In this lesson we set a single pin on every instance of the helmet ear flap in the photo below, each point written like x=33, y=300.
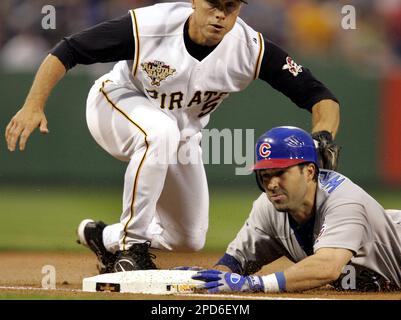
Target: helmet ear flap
x=259, y=180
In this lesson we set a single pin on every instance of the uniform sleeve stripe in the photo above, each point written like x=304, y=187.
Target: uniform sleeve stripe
x=260, y=56
x=137, y=46
x=134, y=191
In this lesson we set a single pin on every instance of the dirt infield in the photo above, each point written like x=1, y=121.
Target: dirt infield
x=21, y=276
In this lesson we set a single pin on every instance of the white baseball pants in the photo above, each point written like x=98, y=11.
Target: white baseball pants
x=164, y=202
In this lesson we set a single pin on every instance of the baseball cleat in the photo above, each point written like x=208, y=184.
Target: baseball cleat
x=137, y=257
x=90, y=234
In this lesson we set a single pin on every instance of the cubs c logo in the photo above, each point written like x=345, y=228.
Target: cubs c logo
x=264, y=150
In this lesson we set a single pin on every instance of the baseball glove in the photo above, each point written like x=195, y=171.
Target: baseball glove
x=328, y=151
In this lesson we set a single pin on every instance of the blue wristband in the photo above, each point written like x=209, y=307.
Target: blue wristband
x=280, y=280
x=230, y=262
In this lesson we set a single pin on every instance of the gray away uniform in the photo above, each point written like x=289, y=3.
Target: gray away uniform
x=346, y=217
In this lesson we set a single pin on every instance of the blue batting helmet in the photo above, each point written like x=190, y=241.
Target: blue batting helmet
x=283, y=147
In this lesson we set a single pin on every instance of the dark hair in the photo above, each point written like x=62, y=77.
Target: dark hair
x=301, y=167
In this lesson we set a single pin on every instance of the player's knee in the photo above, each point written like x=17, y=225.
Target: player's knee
x=163, y=144
x=189, y=244
x=166, y=134
x=198, y=245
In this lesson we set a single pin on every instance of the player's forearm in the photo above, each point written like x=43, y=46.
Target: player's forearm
x=317, y=270
x=310, y=273
x=326, y=116
x=48, y=75
x=301, y=276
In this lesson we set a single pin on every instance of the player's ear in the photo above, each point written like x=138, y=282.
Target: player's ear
x=311, y=171
x=193, y=4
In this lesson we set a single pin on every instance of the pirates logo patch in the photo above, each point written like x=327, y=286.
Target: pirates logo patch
x=292, y=67
x=157, y=71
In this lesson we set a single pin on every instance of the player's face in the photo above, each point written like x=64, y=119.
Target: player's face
x=212, y=20
x=287, y=188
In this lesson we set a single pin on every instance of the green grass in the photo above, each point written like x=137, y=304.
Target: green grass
x=46, y=218
x=388, y=199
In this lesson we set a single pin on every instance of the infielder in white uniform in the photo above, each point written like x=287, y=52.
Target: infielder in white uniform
x=319, y=219
x=176, y=63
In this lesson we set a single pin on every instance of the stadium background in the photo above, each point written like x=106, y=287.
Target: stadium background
x=64, y=177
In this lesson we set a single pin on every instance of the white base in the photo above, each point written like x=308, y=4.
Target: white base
x=143, y=281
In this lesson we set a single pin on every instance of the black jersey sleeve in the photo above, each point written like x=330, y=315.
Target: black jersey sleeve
x=301, y=87
x=108, y=41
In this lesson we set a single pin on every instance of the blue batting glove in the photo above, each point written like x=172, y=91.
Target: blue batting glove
x=219, y=281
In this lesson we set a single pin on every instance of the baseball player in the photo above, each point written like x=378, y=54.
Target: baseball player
x=319, y=219
x=176, y=62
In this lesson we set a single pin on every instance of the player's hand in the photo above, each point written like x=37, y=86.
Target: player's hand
x=218, y=281
x=328, y=151
x=22, y=124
